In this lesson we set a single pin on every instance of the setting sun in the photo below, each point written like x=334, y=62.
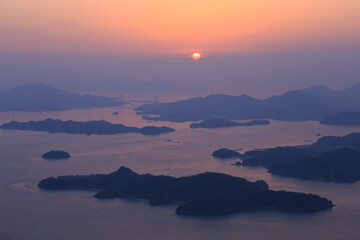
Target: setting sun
x=196, y=56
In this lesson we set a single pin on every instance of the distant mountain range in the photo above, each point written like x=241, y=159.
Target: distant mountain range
x=313, y=103
x=40, y=97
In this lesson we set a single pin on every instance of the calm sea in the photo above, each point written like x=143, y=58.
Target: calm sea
x=31, y=214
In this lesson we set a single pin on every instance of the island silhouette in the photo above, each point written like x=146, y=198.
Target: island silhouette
x=91, y=127
x=56, y=155
x=202, y=194
x=222, y=123
x=334, y=159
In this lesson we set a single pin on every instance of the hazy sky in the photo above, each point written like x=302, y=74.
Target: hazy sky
x=246, y=44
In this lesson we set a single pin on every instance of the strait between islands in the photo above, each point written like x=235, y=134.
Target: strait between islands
x=203, y=194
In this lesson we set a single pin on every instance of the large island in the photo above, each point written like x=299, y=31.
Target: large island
x=88, y=128
x=203, y=194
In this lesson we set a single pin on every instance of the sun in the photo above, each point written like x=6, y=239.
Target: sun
x=196, y=56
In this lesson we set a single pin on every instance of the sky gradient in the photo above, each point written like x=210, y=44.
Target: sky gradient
x=35, y=33
x=160, y=26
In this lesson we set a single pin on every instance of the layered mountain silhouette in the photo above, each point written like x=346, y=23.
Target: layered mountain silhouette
x=313, y=103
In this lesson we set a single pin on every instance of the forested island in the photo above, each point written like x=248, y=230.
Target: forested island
x=88, y=128
x=203, y=194
x=56, y=155
x=335, y=159
x=222, y=123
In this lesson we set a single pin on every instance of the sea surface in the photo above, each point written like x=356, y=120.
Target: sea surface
x=28, y=213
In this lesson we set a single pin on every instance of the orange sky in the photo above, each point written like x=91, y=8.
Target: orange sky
x=163, y=26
